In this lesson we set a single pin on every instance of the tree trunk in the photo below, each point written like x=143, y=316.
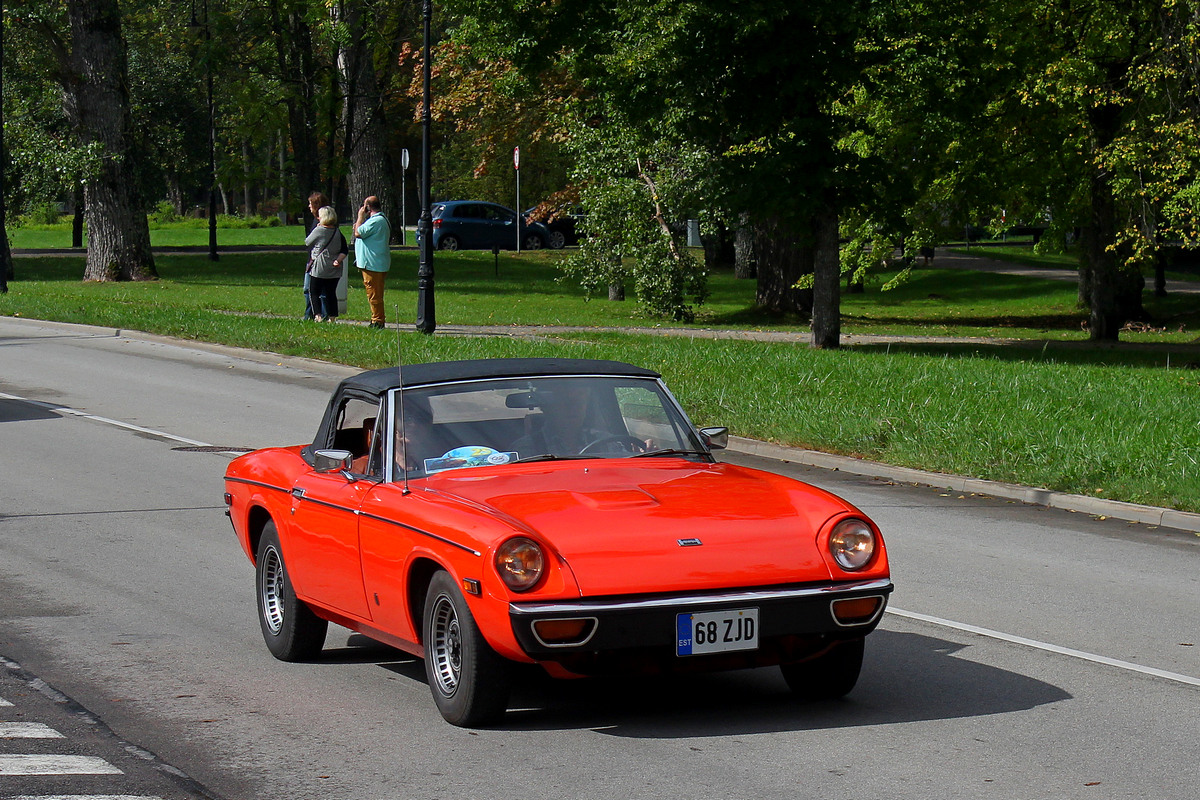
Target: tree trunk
x=247, y=184
x=6, y=261
x=370, y=166
x=616, y=291
x=745, y=256
x=827, y=283
x=77, y=220
x=294, y=52
x=782, y=261
x=1113, y=292
x=718, y=249
x=98, y=104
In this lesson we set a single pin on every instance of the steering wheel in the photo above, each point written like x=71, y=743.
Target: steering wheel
x=629, y=443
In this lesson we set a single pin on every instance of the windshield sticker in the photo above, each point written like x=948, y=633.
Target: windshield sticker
x=469, y=456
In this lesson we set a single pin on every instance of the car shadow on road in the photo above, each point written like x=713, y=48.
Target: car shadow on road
x=906, y=677
x=21, y=411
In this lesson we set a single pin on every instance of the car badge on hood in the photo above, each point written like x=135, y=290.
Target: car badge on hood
x=689, y=542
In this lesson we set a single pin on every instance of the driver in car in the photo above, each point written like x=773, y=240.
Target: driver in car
x=564, y=426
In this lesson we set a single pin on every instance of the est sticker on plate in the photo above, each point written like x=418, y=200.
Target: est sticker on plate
x=716, y=631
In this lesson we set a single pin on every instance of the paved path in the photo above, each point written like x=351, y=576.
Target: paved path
x=980, y=262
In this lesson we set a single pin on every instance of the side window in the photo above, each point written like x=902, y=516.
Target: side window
x=356, y=432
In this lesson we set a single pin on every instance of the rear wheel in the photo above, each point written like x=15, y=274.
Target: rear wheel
x=448, y=243
x=828, y=676
x=469, y=681
x=289, y=627
x=558, y=240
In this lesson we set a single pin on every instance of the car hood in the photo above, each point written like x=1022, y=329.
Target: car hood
x=623, y=526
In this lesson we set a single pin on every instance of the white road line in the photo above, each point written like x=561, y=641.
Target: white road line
x=1050, y=648
x=84, y=797
x=28, y=730
x=105, y=420
x=55, y=765
x=4, y=703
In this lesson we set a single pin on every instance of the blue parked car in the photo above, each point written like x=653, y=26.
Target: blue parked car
x=476, y=225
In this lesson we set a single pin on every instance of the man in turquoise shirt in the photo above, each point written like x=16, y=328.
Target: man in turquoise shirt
x=372, y=234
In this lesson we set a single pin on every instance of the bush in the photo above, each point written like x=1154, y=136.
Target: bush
x=45, y=214
x=163, y=213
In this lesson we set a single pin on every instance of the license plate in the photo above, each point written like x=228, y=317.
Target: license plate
x=716, y=631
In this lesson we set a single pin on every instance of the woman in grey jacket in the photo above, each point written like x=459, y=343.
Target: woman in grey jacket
x=329, y=250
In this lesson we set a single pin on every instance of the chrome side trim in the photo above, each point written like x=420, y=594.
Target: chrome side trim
x=260, y=484
x=683, y=601
x=434, y=536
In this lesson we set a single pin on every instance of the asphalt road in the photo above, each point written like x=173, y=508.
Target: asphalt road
x=1028, y=652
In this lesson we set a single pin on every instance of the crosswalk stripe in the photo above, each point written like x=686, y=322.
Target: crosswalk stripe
x=55, y=765
x=27, y=730
x=4, y=703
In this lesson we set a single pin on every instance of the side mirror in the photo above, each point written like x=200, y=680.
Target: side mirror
x=332, y=460
x=715, y=438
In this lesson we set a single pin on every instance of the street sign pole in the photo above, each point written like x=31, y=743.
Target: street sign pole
x=403, y=197
x=517, y=169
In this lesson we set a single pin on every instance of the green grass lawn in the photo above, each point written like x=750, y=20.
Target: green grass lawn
x=1049, y=410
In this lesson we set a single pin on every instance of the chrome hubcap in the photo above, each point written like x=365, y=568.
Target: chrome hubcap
x=272, y=590
x=446, y=647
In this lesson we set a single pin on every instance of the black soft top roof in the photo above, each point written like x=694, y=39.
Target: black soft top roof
x=378, y=381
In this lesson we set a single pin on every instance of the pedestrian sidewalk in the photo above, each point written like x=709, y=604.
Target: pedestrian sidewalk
x=979, y=261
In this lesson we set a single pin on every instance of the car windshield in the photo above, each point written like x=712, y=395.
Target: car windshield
x=499, y=422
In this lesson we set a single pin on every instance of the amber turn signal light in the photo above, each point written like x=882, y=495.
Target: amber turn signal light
x=855, y=610
x=564, y=631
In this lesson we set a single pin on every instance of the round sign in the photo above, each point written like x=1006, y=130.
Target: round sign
x=404, y=158
x=516, y=158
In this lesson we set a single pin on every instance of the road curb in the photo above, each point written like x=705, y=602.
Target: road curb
x=1096, y=506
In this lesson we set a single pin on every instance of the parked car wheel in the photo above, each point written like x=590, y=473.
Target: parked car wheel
x=469, y=681
x=532, y=242
x=290, y=628
x=448, y=243
x=828, y=676
x=558, y=240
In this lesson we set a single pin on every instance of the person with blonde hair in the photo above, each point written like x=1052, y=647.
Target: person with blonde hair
x=329, y=249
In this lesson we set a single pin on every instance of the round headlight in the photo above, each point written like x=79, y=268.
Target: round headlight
x=520, y=563
x=852, y=544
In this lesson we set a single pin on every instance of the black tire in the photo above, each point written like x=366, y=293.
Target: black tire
x=448, y=243
x=532, y=241
x=828, y=676
x=469, y=681
x=289, y=627
x=558, y=240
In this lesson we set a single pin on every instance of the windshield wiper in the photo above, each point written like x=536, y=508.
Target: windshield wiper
x=669, y=451
x=548, y=457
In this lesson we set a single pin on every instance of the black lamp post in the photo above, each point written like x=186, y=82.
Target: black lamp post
x=426, y=322
x=212, y=132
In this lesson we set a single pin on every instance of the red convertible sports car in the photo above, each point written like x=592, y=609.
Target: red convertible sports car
x=564, y=513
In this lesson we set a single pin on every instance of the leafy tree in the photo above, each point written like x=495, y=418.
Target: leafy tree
x=485, y=108
x=754, y=90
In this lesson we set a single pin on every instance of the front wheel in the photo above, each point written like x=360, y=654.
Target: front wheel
x=469, y=681
x=828, y=676
x=532, y=242
x=289, y=627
